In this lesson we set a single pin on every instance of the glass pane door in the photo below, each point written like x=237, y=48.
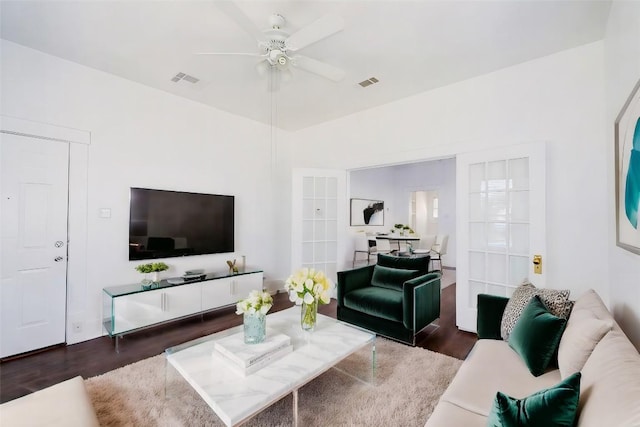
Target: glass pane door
x=498, y=226
x=318, y=220
x=319, y=223
x=501, y=222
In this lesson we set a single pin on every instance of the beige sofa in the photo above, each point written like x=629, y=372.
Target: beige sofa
x=65, y=404
x=609, y=388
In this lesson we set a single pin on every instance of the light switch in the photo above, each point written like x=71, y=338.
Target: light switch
x=105, y=213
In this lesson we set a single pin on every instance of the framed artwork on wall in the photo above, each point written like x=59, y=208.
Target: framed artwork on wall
x=627, y=169
x=367, y=212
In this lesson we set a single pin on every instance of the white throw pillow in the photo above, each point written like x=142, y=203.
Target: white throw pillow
x=578, y=341
x=556, y=301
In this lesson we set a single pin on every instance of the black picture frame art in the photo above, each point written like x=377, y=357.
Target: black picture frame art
x=367, y=212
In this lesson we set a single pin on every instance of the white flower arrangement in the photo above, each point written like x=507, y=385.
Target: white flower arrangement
x=308, y=285
x=257, y=301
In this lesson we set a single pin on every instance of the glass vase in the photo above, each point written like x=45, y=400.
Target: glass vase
x=255, y=327
x=309, y=316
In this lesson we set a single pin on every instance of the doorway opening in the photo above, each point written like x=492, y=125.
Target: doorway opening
x=423, y=212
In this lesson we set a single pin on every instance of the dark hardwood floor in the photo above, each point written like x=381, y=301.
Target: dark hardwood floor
x=23, y=375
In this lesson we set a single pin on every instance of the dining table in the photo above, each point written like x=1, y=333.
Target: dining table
x=396, y=237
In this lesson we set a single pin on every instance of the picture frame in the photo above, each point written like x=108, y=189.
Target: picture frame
x=627, y=170
x=367, y=212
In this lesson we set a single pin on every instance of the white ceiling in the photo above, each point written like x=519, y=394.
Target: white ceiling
x=410, y=46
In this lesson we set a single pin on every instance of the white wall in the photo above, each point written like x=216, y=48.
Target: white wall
x=622, y=72
x=557, y=99
x=146, y=138
x=394, y=185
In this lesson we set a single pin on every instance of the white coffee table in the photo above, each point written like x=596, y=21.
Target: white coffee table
x=235, y=398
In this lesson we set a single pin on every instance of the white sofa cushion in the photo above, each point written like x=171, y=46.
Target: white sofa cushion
x=590, y=305
x=447, y=415
x=610, y=389
x=577, y=343
x=493, y=366
x=588, y=324
x=65, y=404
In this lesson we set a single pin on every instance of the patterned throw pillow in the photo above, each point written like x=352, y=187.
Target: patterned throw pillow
x=556, y=301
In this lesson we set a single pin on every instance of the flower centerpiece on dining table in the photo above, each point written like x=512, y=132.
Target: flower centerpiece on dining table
x=255, y=308
x=309, y=287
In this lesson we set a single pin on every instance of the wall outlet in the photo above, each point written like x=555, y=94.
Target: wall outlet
x=77, y=327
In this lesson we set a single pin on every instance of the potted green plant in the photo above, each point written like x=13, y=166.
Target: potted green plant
x=152, y=268
x=407, y=229
x=402, y=229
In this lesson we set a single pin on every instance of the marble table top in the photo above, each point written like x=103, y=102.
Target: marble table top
x=235, y=398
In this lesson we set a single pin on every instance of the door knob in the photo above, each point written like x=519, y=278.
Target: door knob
x=58, y=259
x=59, y=244
x=537, y=264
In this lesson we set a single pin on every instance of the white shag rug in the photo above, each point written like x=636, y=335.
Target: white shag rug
x=409, y=382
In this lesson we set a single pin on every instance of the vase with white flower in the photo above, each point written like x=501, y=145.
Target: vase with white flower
x=255, y=308
x=309, y=287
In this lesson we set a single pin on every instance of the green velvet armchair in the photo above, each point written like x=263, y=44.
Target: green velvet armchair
x=395, y=298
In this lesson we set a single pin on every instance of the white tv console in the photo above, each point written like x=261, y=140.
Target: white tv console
x=129, y=308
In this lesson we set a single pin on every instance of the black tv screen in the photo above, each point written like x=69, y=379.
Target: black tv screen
x=165, y=224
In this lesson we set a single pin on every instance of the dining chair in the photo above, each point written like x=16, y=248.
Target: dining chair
x=362, y=246
x=439, y=249
x=425, y=244
x=383, y=246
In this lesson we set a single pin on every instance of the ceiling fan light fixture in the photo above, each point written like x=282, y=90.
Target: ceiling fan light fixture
x=286, y=75
x=262, y=68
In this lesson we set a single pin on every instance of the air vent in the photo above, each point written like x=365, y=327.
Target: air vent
x=368, y=82
x=185, y=77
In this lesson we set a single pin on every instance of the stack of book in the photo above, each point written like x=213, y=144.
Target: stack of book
x=248, y=358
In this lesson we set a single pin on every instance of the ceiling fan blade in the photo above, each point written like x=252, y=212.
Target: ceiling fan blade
x=318, y=30
x=320, y=68
x=232, y=10
x=228, y=53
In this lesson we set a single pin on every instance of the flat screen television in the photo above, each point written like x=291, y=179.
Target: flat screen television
x=164, y=224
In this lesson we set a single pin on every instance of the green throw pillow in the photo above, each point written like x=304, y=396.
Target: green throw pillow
x=536, y=335
x=392, y=278
x=555, y=406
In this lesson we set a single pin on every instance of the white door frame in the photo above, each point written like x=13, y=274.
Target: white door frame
x=79, y=141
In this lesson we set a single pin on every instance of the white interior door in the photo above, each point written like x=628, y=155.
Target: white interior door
x=318, y=217
x=33, y=234
x=500, y=224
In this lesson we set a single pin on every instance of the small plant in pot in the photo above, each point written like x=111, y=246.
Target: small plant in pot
x=151, y=268
x=407, y=229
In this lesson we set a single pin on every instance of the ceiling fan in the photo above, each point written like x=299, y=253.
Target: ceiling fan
x=278, y=48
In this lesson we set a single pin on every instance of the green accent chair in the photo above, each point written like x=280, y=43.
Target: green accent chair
x=395, y=298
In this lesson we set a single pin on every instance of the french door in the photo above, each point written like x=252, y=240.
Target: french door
x=500, y=224
x=318, y=220
x=33, y=239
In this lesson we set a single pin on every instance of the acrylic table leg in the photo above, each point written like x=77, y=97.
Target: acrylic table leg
x=374, y=363
x=295, y=408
